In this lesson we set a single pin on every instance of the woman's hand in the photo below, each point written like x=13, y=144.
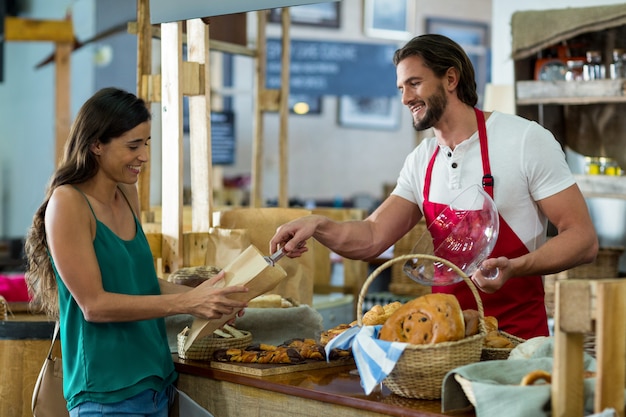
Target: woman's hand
x=210, y=301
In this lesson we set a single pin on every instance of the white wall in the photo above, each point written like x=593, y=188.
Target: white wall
x=27, y=115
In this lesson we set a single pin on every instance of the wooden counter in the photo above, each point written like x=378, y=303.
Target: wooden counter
x=24, y=343
x=334, y=391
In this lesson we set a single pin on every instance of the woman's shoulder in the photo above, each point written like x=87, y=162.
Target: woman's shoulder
x=67, y=193
x=68, y=201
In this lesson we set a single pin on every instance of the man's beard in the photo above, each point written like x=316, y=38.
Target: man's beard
x=435, y=106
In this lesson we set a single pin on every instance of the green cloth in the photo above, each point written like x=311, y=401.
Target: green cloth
x=496, y=388
x=110, y=362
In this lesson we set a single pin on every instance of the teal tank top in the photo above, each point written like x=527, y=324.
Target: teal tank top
x=111, y=362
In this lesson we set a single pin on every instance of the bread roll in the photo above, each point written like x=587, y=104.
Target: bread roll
x=491, y=324
x=534, y=376
x=431, y=318
x=472, y=319
x=379, y=314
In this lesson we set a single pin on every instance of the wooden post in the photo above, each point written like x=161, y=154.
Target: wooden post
x=62, y=60
x=572, y=319
x=172, y=161
x=580, y=304
x=144, y=68
x=200, y=127
x=283, y=134
x=610, y=346
x=256, y=194
x=61, y=32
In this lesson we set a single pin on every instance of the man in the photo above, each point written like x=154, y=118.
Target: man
x=516, y=161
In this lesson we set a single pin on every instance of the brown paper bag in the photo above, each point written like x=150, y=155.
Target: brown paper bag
x=249, y=269
x=224, y=245
x=261, y=224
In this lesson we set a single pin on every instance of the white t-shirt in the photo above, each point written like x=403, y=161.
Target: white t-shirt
x=527, y=163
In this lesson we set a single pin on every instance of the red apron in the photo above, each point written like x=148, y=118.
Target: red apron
x=519, y=305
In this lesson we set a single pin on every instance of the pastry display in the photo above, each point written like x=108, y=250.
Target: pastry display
x=291, y=351
x=259, y=354
x=431, y=318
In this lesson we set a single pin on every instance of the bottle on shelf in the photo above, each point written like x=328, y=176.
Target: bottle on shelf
x=618, y=67
x=593, y=69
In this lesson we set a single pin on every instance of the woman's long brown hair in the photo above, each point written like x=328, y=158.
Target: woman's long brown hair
x=108, y=114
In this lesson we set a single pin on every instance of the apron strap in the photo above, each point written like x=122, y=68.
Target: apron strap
x=484, y=152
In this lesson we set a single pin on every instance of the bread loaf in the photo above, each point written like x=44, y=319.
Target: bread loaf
x=194, y=275
x=431, y=318
x=472, y=319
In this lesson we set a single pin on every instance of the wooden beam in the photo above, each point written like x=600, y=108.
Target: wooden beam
x=193, y=81
x=201, y=166
x=62, y=58
x=172, y=160
x=19, y=29
x=214, y=44
x=268, y=100
x=283, y=131
x=256, y=192
x=144, y=68
x=150, y=87
x=610, y=346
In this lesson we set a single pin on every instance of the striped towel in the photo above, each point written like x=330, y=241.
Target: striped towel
x=375, y=359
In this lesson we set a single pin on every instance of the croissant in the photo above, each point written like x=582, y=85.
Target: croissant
x=279, y=355
x=307, y=348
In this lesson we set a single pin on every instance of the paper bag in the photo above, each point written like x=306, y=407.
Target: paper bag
x=225, y=245
x=249, y=269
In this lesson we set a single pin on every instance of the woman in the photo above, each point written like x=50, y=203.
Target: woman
x=90, y=266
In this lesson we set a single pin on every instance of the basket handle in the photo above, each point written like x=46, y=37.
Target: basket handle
x=387, y=264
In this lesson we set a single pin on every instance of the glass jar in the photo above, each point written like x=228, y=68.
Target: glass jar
x=592, y=165
x=574, y=70
x=612, y=168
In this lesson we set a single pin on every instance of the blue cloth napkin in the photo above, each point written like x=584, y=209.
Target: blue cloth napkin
x=374, y=358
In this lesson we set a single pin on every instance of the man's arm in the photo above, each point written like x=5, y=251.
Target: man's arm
x=576, y=242
x=362, y=239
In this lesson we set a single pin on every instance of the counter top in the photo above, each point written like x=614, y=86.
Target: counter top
x=335, y=385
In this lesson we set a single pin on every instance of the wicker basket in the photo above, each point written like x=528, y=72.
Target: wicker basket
x=4, y=308
x=606, y=265
x=203, y=348
x=420, y=371
x=489, y=354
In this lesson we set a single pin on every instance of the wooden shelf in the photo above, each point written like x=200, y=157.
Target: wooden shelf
x=602, y=186
x=570, y=92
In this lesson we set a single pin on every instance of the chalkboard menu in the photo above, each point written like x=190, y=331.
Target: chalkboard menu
x=222, y=134
x=334, y=68
x=223, y=138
